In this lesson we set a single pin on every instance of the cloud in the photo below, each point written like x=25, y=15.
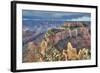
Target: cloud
x=55, y=16
x=84, y=18
x=26, y=19
x=52, y=14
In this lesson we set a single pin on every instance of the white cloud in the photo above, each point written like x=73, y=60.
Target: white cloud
x=84, y=18
x=30, y=19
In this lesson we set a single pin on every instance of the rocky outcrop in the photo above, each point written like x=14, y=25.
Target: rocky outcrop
x=84, y=54
x=31, y=54
x=71, y=52
x=79, y=37
x=72, y=41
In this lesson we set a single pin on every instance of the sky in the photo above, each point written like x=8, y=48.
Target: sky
x=35, y=15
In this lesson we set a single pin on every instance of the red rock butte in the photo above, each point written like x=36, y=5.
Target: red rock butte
x=72, y=24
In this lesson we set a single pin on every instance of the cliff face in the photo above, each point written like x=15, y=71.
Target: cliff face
x=77, y=34
x=71, y=41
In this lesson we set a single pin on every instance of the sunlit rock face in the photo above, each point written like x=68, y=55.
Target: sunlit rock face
x=43, y=47
x=84, y=54
x=71, y=52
